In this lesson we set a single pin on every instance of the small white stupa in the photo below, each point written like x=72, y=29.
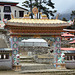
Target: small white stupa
x=35, y=42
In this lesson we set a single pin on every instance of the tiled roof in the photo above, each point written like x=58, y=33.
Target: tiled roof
x=37, y=22
x=68, y=49
x=49, y=21
x=72, y=41
x=70, y=28
x=67, y=34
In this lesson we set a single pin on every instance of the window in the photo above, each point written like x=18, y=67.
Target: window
x=15, y=13
x=7, y=9
x=74, y=57
x=7, y=16
x=0, y=16
x=0, y=9
x=21, y=13
x=4, y=56
x=70, y=57
x=67, y=57
x=7, y=56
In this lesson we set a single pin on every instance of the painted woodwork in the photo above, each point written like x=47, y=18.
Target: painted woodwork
x=57, y=51
x=32, y=30
x=14, y=46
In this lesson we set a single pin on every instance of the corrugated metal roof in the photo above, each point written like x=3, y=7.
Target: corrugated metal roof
x=68, y=49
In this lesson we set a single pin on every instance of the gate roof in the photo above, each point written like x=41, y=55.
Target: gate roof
x=37, y=22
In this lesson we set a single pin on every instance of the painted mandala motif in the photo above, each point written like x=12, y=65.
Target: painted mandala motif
x=58, y=56
x=58, y=39
x=58, y=51
x=15, y=52
x=15, y=39
x=22, y=38
x=58, y=45
x=15, y=45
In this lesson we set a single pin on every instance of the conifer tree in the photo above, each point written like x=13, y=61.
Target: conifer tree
x=73, y=14
x=43, y=6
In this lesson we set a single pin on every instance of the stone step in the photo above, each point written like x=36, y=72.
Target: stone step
x=35, y=66
x=52, y=71
x=26, y=61
x=26, y=58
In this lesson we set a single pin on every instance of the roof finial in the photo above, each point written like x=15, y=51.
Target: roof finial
x=57, y=16
x=12, y=16
x=27, y=15
x=35, y=11
x=43, y=16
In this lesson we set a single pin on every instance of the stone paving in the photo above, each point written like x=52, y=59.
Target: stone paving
x=49, y=72
x=45, y=71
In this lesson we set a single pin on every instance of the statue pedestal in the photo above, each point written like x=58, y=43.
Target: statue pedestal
x=60, y=66
x=17, y=67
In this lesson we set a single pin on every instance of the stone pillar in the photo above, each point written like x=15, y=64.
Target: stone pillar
x=14, y=46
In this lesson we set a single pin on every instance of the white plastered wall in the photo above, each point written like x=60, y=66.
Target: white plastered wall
x=13, y=8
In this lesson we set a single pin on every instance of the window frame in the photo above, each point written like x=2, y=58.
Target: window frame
x=7, y=10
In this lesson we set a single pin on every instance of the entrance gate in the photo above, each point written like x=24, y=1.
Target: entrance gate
x=20, y=29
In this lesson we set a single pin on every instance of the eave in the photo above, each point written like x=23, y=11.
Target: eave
x=68, y=30
x=36, y=24
x=12, y=34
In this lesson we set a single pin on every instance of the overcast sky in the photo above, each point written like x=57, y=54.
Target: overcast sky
x=62, y=6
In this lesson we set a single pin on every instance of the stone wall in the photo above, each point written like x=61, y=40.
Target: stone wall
x=34, y=50
x=6, y=63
